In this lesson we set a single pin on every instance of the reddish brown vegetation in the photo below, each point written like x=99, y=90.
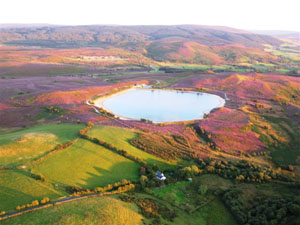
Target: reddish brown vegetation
x=227, y=129
x=238, y=52
x=4, y=106
x=78, y=96
x=16, y=56
x=165, y=146
x=196, y=53
x=253, y=86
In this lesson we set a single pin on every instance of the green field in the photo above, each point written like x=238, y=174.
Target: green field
x=88, y=165
x=17, y=188
x=120, y=137
x=213, y=181
x=23, y=146
x=285, y=50
x=101, y=211
x=286, y=153
x=214, y=213
x=173, y=192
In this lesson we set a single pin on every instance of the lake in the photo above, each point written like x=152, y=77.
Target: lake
x=161, y=105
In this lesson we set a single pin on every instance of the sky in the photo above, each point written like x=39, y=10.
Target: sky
x=243, y=14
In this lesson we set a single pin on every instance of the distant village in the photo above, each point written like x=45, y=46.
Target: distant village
x=101, y=57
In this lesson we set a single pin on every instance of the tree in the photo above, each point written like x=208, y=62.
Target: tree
x=240, y=177
x=90, y=124
x=99, y=189
x=45, y=200
x=143, y=181
x=291, y=168
x=294, y=209
x=35, y=203
x=210, y=169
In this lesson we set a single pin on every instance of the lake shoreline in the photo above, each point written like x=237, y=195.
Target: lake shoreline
x=99, y=103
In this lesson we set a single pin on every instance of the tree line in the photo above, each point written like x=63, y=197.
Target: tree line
x=273, y=210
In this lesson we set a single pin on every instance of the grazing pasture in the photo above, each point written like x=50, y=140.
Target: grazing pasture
x=101, y=211
x=120, y=138
x=18, y=187
x=25, y=145
x=87, y=165
x=173, y=192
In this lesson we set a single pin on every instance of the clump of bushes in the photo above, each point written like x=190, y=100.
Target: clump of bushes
x=115, y=188
x=106, y=113
x=242, y=171
x=190, y=171
x=45, y=200
x=33, y=204
x=54, y=110
x=39, y=176
x=146, y=121
x=272, y=210
x=29, y=205
x=72, y=189
x=83, y=131
x=109, y=187
x=206, y=136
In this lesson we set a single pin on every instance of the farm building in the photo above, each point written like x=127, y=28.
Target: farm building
x=160, y=175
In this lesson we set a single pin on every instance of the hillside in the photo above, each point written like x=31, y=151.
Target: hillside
x=66, y=158
x=68, y=49
x=103, y=35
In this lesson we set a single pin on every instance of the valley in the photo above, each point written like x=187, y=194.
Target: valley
x=72, y=163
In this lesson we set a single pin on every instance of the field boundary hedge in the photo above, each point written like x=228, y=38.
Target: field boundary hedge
x=121, y=189
x=59, y=147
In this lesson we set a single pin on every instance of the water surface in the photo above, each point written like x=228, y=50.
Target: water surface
x=162, y=105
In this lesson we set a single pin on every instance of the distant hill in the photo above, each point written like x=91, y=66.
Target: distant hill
x=179, y=43
x=103, y=35
x=279, y=33
x=273, y=32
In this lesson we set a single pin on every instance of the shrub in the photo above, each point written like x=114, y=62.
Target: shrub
x=45, y=200
x=35, y=203
x=40, y=177
x=202, y=189
x=90, y=124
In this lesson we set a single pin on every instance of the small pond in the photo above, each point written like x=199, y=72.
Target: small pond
x=161, y=105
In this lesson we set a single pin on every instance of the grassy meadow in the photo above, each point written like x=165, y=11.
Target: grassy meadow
x=120, y=137
x=17, y=188
x=25, y=145
x=101, y=211
x=87, y=165
x=172, y=192
x=214, y=213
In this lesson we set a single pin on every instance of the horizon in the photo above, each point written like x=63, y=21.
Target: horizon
x=246, y=15
x=202, y=25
